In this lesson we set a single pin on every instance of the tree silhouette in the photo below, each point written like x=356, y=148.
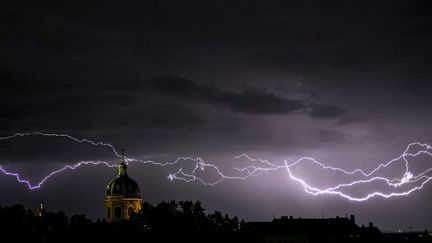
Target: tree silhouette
x=167, y=221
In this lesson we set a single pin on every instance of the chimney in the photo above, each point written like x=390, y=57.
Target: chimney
x=371, y=225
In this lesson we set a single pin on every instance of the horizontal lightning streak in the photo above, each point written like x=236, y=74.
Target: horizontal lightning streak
x=408, y=177
x=253, y=170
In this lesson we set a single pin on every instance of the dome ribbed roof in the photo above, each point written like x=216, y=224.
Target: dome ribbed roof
x=123, y=185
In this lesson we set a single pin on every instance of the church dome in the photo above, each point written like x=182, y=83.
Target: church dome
x=123, y=185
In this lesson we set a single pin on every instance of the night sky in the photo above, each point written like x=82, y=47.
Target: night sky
x=345, y=82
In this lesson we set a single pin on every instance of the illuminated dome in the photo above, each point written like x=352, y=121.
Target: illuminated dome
x=122, y=196
x=123, y=185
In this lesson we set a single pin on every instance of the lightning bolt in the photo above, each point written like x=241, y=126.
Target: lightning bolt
x=265, y=166
x=81, y=163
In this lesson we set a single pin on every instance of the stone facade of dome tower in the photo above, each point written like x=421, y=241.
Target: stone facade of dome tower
x=122, y=197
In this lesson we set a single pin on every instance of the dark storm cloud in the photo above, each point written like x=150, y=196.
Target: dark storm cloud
x=167, y=116
x=249, y=100
x=36, y=102
x=326, y=111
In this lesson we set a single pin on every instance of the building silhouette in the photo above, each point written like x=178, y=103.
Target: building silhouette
x=289, y=229
x=122, y=196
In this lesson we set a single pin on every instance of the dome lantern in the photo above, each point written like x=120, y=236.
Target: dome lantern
x=122, y=168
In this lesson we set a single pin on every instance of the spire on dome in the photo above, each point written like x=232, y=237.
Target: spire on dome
x=122, y=167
